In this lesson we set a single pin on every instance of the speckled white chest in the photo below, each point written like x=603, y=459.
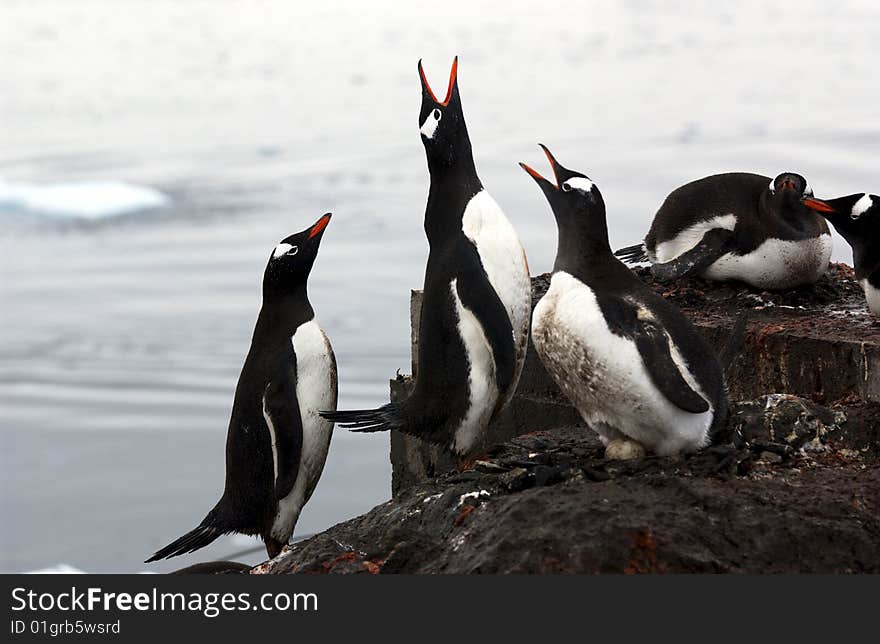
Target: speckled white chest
x=604, y=376
x=776, y=264
x=872, y=295
x=315, y=391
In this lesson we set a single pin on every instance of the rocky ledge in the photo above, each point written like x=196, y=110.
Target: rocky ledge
x=797, y=489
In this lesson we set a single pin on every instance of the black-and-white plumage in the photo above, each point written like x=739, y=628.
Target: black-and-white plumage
x=476, y=302
x=738, y=226
x=630, y=362
x=857, y=219
x=277, y=442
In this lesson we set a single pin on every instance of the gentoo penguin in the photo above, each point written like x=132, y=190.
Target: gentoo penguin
x=477, y=297
x=738, y=226
x=634, y=367
x=277, y=443
x=857, y=219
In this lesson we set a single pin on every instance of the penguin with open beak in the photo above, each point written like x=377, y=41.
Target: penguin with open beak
x=634, y=367
x=476, y=300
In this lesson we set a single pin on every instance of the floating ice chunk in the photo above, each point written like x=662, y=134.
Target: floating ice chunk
x=80, y=200
x=57, y=569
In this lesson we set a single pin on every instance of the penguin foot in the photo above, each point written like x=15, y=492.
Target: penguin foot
x=274, y=547
x=623, y=450
x=466, y=464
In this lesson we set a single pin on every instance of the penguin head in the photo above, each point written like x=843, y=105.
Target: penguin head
x=854, y=216
x=574, y=198
x=291, y=260
x=788, y=190
x=441, y=123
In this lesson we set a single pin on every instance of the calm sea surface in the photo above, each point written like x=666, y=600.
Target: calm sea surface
x=122, y=330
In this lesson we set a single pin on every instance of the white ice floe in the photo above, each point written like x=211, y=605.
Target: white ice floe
x=57, y=569
x=90, y=200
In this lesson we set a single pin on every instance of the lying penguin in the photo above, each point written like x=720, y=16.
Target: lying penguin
x=477, y=297
x=634, y=367
x=738, y=226
x=277, y=443
x=857, y=219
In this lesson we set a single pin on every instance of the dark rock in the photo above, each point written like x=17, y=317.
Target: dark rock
x=811, y=504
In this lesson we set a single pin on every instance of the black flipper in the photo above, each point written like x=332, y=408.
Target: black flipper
x=713, y=245
x=629, y=319
x=653, y=345
x=281, y=408
x=478, y=297
x=190, y=542
x=633, y=254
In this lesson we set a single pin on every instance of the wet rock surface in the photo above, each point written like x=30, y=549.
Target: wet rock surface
x=796, y=489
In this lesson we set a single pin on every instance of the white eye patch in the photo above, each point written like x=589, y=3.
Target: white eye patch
x=430, y=125
x=861, y=206
x=284, y=249
x=578, y=183
x=808, y=191
x=772, y=186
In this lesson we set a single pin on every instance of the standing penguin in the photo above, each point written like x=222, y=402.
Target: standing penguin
x=857, y=219
x=630, y=362
x=738, y=226
x=277, y=443
x=477, y=297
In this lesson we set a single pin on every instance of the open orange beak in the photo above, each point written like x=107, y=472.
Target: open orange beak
x=453, y=74
x=817, y=205
x=537, y=175
x=320, y=225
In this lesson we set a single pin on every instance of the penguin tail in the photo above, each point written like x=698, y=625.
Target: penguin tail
x=734, y=342
x=633, y=254
x=383, y=419
x=190, y=542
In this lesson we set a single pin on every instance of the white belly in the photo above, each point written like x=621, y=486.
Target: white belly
x=872, y=295
x=604, y=376
x=316, y=391
x=776, y=264
x=482, y=389
x=504, y=260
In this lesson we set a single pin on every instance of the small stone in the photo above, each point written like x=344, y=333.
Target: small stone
x=546, y=475
x=771, y=458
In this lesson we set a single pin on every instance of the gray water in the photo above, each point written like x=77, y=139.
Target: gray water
x=122, y=335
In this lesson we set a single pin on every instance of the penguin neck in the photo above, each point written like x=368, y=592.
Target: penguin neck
x=282, y=313
x=793, y=214
x=452, y=187
x=581, y=251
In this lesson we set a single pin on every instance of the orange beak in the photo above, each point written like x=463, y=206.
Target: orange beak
x=817, y=205
x=453, y=74
x=537, y=175
x=320, y=225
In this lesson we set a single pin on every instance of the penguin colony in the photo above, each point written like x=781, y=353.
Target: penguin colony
x=631, y=363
